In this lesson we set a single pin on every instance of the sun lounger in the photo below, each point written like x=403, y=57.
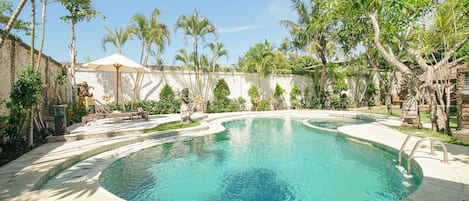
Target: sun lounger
x=117, y=115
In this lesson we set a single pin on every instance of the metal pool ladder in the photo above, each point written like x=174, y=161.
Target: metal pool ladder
x=433, y=140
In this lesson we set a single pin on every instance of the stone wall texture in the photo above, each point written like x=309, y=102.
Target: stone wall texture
x=14, y=58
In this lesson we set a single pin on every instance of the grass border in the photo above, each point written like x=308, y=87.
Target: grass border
x=173, y=125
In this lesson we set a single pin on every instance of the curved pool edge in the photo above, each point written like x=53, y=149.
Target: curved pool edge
x=447, y=181
x=441, y=181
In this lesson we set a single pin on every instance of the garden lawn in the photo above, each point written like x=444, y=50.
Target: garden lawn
x=425, y=118
x=173, y=125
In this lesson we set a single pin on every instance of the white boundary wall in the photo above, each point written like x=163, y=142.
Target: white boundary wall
x=104, y=83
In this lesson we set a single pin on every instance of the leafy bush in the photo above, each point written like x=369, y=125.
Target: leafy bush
x=75, y=113
x=240, y=104
x=168, y=104
x=278, y=97
x=294, y=93
x=253, y=92
x=167, y=107
x=221, y=91
x=25, y=93
x=222, y=103
x=278, y=92
x=264, y=105
x=167, y=93
x=316, y=103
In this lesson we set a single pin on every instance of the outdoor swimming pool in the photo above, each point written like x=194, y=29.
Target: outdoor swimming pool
x=336, y=123
x=261, y=159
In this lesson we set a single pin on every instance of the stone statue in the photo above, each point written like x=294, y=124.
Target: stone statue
x=85, y=96
x=410, y=115
x=185, y=106
x=84, y=90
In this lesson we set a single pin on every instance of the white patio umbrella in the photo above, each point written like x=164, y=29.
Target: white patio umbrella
x=116, y=63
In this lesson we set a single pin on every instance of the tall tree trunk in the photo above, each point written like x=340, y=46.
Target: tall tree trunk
x=33, y=32
x=43, y=31
x=12, y=21
x=147, y=54
x=388, y=56
x=323, y=80
x=374, y=74
x=432, y=103
x=72, y=66
x=142, y=52
x=448, y=109
x=197, y=72
x=31, y=113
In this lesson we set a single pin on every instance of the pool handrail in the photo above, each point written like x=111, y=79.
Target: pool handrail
x=432, y=140
x=399, y=159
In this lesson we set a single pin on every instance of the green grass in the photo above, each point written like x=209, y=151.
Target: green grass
x=383, y=110
x=425, y=118
x=444, y=138
x=173, y=125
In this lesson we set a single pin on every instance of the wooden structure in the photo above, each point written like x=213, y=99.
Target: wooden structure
x=462, y=131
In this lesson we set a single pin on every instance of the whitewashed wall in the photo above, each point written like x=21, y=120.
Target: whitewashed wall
x=104, y=83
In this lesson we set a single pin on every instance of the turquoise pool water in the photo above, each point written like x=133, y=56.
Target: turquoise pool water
x=336, y=123
x=260, y=159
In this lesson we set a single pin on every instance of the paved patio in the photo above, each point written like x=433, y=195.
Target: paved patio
x=69, y=170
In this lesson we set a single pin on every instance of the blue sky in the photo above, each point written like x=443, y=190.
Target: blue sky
x=240, y=24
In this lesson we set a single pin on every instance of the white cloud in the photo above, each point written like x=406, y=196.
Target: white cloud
x=281, y=9
x=236, y=29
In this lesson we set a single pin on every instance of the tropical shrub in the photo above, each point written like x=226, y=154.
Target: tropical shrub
x=264, y=105
x=253, y=92
x=75, y=113
x=240, y=103
x=222, y=103
x=25, y=93
x=295, y=91
x=278, y=97
x=168, y=103
x=221, y=91
x=167, y=93
x=370, y=94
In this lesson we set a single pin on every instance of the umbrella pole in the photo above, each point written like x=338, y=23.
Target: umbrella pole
x=117, y=66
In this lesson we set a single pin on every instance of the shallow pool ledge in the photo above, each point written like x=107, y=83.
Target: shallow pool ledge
x=441, y=181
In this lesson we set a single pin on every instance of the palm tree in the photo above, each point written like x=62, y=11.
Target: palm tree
x=79, y=10
x=187, y=59
x=313, y=31
x=118, y=38
x=12, y=20
x=259, y=56
x=285, y=46
x=150, y=31
x=196, y=28
x=218, y=50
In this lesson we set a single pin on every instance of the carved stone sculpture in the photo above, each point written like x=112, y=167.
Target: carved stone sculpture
x=410, y=116
x=84, y=90
x=185, y=106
